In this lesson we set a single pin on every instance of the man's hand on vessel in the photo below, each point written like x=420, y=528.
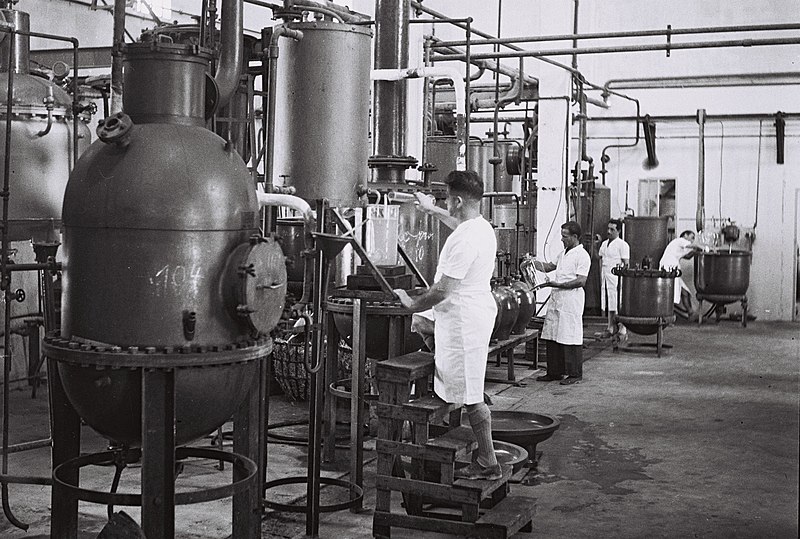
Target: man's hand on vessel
x=404, y=298
x=425, y=202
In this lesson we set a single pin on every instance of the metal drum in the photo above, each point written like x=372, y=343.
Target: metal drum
x=722, y=274
x=292, y=240
x=647, y=236
x=323, y=111
x=42, y=141
x=647, y=297
x=163, y=258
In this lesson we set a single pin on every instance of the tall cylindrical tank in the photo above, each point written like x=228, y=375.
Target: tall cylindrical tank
x=722, y=273
x=41, y=155
x=322, y=113
x=163, y=253
x=647, y=236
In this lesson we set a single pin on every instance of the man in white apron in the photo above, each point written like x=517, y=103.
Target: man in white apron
x=464, y=310
x=563, y=323
x=613, y=252
x=681, y=247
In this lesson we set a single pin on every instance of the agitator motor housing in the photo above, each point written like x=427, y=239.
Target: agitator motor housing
x=165, y=265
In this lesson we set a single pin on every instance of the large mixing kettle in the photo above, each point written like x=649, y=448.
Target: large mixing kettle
x=722, y=273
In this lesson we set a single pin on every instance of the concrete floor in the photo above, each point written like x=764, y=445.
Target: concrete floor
x=702, y=442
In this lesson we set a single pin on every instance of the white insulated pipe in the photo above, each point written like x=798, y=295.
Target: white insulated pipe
x=288, y=201
x=437, y=72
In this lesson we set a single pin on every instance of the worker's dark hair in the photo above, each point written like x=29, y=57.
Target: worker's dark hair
x=465, y=183
x=572, y=227
x=686, y=233
x=617, y=223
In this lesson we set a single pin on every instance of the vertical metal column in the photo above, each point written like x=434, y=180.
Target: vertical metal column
x=356, y=405
x=331, y=375
x=65, y=429
x=391, y=52
x=158, y=453
x=246, y=441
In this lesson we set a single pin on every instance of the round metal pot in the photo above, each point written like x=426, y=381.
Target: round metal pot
x=722, y=273
x=507, y=312
x=526, y=298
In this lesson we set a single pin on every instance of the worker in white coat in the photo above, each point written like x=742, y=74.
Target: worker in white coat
x=464, y=310
x=613, y=252
x=681, y=247
x=563, y=323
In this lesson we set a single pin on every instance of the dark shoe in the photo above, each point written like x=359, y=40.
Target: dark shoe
x=569, y=380
x=548, y=378
x=476, y=471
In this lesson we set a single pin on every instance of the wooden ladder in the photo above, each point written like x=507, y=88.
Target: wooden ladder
x=420, y=462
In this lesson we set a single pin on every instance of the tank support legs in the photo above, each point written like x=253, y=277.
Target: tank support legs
x=65, y=428
x=158, y=453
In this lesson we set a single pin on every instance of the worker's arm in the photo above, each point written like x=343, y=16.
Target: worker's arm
x=625, y=262
x=437, y=293
x=427, y=205
x=544, y=266
x=577, y=282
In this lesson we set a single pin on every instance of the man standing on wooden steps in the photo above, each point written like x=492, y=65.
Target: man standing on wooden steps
x=464, y=310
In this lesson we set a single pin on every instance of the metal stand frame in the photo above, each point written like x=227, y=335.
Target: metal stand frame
x=720, y=301
x=158, y=452
x=660, y=322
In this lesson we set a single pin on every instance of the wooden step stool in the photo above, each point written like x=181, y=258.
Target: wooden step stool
x=484, y=508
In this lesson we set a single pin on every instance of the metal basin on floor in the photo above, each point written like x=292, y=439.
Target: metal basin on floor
x=525, y=429
x=510, y=454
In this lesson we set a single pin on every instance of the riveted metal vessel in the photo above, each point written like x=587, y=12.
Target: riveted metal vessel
x=646, y=298
x=163, y=253
x=42, y=140
x=322, y=113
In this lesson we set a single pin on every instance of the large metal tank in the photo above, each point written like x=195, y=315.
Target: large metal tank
x=646, y=298
x=322, y=112
x=443, y=152
x=720, y=274
x=163, y=253
x=41, y=155
x=647, y=236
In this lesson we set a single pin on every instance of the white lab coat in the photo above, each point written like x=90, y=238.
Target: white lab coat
x=612, y=254
x=464, y=321
x=671, y=259
x=563, y=322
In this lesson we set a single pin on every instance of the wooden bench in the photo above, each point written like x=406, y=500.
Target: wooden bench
x=506, y=348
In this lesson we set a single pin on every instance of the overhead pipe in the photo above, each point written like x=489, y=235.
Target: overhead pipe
x=633, y=33
x=118, y=40
x=437, y=72
x=496, y=67
x=624, y=48
x=323, y=6
x=700, y=217
x=231, y=53
x=706, y=81
x=604, y=158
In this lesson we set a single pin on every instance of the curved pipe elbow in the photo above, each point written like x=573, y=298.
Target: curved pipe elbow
x=287, y=201
x=231, y=57
x=436, y=72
